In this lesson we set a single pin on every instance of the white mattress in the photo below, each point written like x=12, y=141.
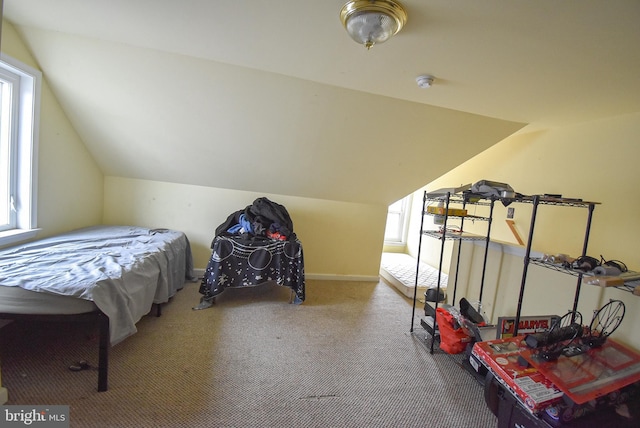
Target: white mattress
x=399, y=269
x=16, y=300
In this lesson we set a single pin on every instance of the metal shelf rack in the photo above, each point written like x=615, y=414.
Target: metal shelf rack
x=445, y=234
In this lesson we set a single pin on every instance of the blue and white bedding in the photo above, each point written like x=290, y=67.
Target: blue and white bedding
x=123, y=270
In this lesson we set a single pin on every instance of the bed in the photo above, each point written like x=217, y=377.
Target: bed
x=111, y=275
x=254, y=246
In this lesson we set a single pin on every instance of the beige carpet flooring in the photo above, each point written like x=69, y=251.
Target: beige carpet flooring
x=344, y=358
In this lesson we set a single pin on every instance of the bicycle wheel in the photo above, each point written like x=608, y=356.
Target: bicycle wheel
x=604, y=322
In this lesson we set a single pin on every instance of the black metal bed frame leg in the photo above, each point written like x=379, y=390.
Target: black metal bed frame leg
x=103, y=353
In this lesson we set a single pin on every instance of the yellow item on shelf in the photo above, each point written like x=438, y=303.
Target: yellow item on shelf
x=452, y=211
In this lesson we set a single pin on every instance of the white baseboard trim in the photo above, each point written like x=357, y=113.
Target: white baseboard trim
x=329, y=277
x=4, y=396
x=320, y=276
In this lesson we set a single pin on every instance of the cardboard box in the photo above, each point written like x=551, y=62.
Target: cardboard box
x=612, y=281
x=603, y=281
x=533, y=390
x=528, y=324
x=593, y=374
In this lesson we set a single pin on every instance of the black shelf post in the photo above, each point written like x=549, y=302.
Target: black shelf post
x=525, y=268
x=444, y=231
x=415, y=288
x=537, y=200
x=584, y=253
x=446, y=198
x=486, y=252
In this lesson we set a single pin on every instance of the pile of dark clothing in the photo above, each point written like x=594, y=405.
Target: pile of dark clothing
x=262, y=219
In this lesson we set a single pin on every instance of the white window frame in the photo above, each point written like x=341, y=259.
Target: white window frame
x=400, y=235
x=23, y=169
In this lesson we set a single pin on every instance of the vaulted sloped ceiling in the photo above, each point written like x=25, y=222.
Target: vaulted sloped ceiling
x=274, y=97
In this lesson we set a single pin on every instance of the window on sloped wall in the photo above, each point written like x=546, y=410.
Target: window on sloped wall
x=19, y=114
x=397, y=221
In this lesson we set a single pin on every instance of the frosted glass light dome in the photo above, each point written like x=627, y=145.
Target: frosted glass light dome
x=369, y=22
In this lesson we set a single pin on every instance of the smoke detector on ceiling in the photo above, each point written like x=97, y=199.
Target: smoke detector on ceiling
x=424, y=81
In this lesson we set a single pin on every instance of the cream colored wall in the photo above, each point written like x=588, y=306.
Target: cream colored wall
x=69, y=180
x=596, y=161
x=338, y=238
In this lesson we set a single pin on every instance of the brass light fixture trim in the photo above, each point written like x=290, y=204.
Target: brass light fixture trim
x=370, y=22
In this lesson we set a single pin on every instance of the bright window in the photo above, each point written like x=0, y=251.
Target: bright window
x=19, y=113
x=397, y=219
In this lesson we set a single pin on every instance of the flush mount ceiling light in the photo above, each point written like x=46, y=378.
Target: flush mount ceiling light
x=372, y=21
